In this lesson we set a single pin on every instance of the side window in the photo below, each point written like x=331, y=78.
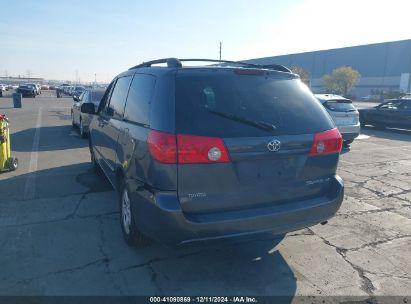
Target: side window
x=118, y=97
x=139, y=99
x=81, y=97
x=393, y=105
x=405, y=105
x=106, y=96
x=84, y=97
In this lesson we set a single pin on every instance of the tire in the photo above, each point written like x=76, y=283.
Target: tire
x=12, y=164
x=131, y=234
x=72, y=120
x=83, y=134
x=348, y=142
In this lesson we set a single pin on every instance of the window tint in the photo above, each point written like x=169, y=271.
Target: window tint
x=229, y=105
x=106, y=96
x=139, y=98
x=340, y=105
x=392, y=105
x=96, y=96
x=405, y=105
x=84, y=97
x=119, y=95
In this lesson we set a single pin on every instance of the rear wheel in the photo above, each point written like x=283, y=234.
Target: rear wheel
x=348, y=142
x=83, y=134
x=72, y=120
x=131, y=234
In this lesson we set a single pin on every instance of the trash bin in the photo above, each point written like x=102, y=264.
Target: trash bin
x=1, y=93
x=17, y=100
x=6, y=161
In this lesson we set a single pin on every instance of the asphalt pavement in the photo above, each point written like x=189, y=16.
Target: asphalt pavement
x=60, y=232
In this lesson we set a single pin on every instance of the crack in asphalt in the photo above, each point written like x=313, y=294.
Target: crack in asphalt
x=366, y=284
x=105, y=255
x=71, y=269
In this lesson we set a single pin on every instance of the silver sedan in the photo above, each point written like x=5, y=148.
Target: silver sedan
x=82, y=120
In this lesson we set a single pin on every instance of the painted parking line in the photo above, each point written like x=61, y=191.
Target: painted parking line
x=363, y=136
x=30, y=187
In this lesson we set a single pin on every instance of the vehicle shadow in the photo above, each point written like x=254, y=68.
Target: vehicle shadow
x=60, y=114
x=55, y=138
x=246, y=266
x=251, y=266
x=393, y=134
x=53, y=182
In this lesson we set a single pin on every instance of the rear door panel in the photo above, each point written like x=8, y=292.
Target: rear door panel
x=255, y=177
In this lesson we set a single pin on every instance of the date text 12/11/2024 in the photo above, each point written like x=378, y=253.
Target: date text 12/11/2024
x=237, y=299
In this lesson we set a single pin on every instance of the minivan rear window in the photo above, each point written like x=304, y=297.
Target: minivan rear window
x=230, y=105
x=340, y=105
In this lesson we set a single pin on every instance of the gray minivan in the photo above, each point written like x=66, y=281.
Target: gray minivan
x=209, y=152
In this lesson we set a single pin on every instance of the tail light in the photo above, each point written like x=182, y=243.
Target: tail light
x=327, y=142
x=201, y=149
x=163, y=147
x=186, y=149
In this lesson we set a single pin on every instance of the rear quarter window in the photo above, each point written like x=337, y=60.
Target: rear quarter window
x=139, y=99
x=285, y=103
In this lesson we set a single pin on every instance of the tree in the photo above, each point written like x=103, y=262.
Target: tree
x=304, y=75
x=341, y=80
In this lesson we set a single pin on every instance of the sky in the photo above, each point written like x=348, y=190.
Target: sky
x=88, y=39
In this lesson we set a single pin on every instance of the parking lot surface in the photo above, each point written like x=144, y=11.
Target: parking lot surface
x=60, y=231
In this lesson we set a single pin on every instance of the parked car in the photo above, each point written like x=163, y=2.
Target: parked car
x=82, y=120
x=3, y=87
x=35, y=87
x=77, y=91
x=344, y=114
x=26, y=90
x=44, y=87
x=406, y=96
x=213, y=152
x=394, y=113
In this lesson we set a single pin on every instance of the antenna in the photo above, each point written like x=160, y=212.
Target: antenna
x=220, y=51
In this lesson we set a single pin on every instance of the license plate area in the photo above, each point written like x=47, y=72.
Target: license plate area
x=344, y=121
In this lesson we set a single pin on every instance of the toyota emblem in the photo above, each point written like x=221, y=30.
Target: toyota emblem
x=274, y=145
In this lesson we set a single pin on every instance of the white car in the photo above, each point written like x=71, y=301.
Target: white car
x=3, y=87
x=344, y=114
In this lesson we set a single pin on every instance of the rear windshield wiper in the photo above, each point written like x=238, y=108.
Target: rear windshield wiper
x=255, y=123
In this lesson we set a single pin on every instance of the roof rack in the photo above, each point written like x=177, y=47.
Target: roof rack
x=177, y=63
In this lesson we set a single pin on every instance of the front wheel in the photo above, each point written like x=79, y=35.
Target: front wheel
x=131, y=234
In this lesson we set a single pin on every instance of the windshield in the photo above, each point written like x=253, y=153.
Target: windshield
x=229, y=105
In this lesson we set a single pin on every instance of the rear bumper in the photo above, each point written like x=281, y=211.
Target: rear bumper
x=349, y=132
x=160, y=216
